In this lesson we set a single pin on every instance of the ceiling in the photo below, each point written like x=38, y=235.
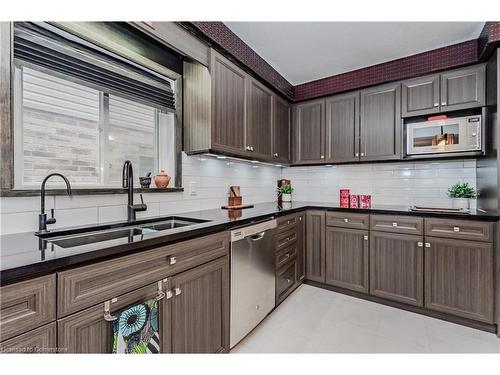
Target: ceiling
x=306, y=51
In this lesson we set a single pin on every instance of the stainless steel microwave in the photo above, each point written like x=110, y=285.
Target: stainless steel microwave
x=458, y=134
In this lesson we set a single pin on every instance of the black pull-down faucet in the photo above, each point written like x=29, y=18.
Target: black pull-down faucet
x=128, y=183
x=42, y=218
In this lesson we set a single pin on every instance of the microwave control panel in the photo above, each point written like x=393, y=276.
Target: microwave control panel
x=473, y=133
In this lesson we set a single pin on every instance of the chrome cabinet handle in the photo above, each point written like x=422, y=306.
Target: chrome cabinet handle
x=107, y=310
x=322, y=156
x=161, y=293
x=443, y=103
x=436, y=104
x=394, y=224
x=172, y=260
x=362, y=154
x=456, y=229
x=288, y=280
x=275, y=154
x=356, y=154
x=300, y=218
x=420, y=244
x=365, y=238
x=177, y=291
x=251, y=148
x=346, y=220
x=427, y=244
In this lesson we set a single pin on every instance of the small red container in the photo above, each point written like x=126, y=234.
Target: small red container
x=354, y=201
x=344, y=198
x=366, y=201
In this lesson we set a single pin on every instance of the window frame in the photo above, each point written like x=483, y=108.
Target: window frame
x=8, y=128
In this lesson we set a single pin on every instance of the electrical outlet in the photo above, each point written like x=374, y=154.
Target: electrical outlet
x=192, y=188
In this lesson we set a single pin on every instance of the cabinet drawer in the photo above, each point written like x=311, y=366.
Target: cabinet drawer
x=39, y=340
x=459, y=229
x=285, y=281
x=286, y=238
x=347, y=220
x=86, y=286
x=397, y=224
x=285, y=255
x=288, y=222
x=27, y=305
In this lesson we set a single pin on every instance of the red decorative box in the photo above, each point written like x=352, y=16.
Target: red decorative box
x=354, y=201
x=366, y=201
x=344, y=198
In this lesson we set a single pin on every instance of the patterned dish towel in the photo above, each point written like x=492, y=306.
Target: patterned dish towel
x=136, y=329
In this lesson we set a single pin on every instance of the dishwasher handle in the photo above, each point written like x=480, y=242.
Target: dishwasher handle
x=258, y=236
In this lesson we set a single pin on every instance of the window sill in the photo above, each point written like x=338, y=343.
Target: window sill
x=96, y=191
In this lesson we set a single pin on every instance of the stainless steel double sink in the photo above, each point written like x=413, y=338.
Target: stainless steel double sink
x=85, y=236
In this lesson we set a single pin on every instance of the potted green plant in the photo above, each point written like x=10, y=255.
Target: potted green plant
x=285, y=191
x=461, y=193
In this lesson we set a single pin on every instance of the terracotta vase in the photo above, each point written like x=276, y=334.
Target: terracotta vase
x=162, y=179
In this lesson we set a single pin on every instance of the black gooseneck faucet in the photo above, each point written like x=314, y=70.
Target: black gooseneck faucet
x=42, y=218
x=128, y=183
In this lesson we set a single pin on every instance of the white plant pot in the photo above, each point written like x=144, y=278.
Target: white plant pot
x=461, y=203
x=286, y=197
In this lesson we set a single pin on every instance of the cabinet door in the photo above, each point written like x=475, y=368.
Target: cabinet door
x=346, y=258
x=200, y=309
x=463, y=88
x=88, y=332
x=396, y=267
x=259, y=120
x=342, y=128
x=381, y=123
x=309, y=132
x=301, y=246
x=281, y=130
x=228, y=105
x=420, y=96
x=459, y=278
x=315, y=245
x=39, y=340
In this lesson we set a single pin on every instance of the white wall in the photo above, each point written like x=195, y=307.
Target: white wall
x=408, y=183
x=401, y=183
x=210, y=176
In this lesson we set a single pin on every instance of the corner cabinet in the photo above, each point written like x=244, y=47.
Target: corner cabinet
x=315, y=245
x=380, y=123
x=309, y=132
x=227, y=111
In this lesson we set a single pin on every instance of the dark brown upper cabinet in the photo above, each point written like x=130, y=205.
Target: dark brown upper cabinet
x=259, y=120
x=342, y=128
x=309, y=132
x=463, y=88
x=226, y=111
x=228, y=104
x=420, y=96
x=380, y=123
x=281, y=130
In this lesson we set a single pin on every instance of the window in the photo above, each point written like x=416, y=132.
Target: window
x=66, y=125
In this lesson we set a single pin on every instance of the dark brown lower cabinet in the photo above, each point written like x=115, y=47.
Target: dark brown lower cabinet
x=396, y=267
x=39, y=340
x=301, y=248
x=315, y=245
x=195, y=319
x=200, y=309
x=459, y=277
x=346, y=258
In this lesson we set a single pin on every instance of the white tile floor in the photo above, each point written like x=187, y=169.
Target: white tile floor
x=314, y=320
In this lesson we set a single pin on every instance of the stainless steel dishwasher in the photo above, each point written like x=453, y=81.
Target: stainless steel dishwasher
x=252, y=277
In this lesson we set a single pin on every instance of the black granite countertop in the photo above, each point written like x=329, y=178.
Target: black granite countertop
x=24, y=255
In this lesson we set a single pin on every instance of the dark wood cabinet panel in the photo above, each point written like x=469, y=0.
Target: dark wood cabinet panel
x=39, y=340
x=459, y=229
x=459, y=278
x=348, y=220
x=88, y=332
x=396, y=267
x=380, y=123
x=463, y=88
x=301, y=247
x=200, y=309
x=85, y=286
x=27, y=305
x=228, y=105
x=285, y=281
x=346, y=258
x=315, y=245
x=342, y=128
x=281, y=130
x=420, y=96
x=309, y=132
x=397, y=224
x=259, y=120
